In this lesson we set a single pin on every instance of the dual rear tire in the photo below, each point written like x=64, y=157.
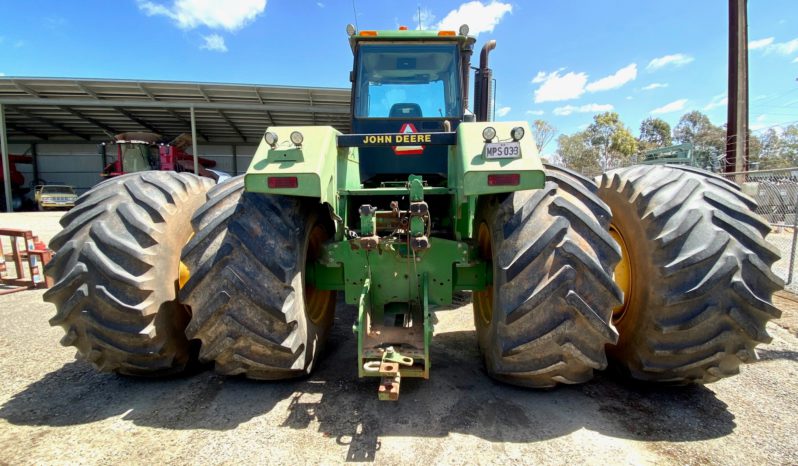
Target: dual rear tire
x=118, y=269
x=115, y=272
x=698, y=273
x=547, y=317
x=251, y=307
x=675, y=286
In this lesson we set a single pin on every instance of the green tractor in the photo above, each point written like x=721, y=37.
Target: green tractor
x=663, y=268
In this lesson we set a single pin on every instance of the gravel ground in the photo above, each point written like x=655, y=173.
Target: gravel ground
x=54, y=409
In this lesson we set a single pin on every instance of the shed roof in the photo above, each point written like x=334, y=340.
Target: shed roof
x=65, y=109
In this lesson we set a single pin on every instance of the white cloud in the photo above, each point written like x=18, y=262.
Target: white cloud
x=784, y=48
x=768, y=46
x=676, y=59
x=2, y=74
x=503, y=111
x=796, y=60
x=478, y=16
x=588, y=108
x=535, y=112
x=760, y=43
x=189, y=14
x=719, y=100
x=653, y=86
x=555, y=87
x=214, y=42
x=674, y=106
x=614, y=81
x=541, y=76
x=425, y=20
x=320, y=4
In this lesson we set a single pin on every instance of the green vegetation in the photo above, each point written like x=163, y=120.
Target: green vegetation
x=607, y=143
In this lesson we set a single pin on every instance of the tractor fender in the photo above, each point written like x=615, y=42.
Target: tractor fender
x=308, y=169
x=471, y=169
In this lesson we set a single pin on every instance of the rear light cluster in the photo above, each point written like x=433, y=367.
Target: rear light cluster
x=508, y=179
x=282, y=182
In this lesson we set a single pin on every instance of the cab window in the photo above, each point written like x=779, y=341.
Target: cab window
x=408, y=81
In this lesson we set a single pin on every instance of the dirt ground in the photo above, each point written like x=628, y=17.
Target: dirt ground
x=54, y=409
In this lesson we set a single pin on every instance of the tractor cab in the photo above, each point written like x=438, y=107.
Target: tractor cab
x=409, y=83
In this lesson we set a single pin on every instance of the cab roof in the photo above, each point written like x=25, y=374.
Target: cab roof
x=401, y=35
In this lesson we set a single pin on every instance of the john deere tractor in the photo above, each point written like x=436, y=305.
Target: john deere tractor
x=663, y=268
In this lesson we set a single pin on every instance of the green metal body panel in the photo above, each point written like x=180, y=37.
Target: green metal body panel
x=681, y=154
x=469, y=169
x=314, y=163
x=451, y=264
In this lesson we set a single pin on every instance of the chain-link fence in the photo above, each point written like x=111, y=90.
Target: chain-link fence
x=776, y=193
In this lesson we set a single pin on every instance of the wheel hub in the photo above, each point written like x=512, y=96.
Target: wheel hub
x=623, y=275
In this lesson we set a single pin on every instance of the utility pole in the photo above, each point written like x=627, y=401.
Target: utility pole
x=737, y=122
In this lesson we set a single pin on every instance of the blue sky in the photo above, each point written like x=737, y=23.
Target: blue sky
x=561, y=61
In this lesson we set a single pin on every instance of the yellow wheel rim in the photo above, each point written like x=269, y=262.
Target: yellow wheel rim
x=183, y=275
x=483, y=300
x=623, y=275
x=318, y=303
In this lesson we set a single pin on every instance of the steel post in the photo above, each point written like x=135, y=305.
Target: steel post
x=6, y=165
x=35, y=156
x=194, y=142
x=235, y=160
x=737, y=111
x=792, y=246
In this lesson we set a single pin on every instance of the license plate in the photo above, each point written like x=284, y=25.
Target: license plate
x=502, y=150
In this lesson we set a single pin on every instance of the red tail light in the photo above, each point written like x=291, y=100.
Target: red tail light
x=283, y=182
x=510, y=179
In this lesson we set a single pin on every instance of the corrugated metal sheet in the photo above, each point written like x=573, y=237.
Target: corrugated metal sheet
x=92, y=110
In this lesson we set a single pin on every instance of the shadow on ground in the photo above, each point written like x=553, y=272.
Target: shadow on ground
x=459, y=398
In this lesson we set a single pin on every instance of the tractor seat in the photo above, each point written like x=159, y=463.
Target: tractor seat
x=405, y=110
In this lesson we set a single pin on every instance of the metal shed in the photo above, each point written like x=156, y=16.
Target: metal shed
x=57, y=113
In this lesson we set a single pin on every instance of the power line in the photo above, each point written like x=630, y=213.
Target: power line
x=354, y=9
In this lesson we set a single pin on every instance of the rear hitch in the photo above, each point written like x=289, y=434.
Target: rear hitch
x=388, y=367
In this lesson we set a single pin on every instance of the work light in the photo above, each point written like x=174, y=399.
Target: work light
x=271, y=138
x=488, y=133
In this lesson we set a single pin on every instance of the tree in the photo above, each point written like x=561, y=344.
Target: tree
x=576, y=153
x=778, y=149
x=754, y=150
x=654, y=133
x=708, y=140
x=788, y=148
x=543, y=132
x=612, y=140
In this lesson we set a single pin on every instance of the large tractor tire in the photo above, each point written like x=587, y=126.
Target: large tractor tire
x=546, y=319
x=251, y=307
x=695, y=271
x=115, y=271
